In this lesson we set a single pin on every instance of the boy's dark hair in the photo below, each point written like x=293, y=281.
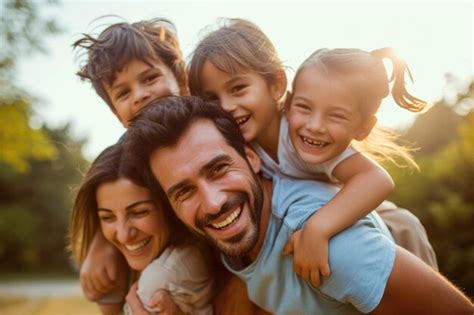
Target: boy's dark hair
x=163, y=123
x=120, y=43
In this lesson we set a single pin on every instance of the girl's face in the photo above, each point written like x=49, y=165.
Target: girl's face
x=139, y=83
x=323, y=117
x=131, y=221
x=246, y=95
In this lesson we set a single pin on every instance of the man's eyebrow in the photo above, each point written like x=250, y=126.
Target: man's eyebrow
x=204, y=169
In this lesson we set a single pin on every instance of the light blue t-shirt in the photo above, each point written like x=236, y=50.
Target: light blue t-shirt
x=361, y=258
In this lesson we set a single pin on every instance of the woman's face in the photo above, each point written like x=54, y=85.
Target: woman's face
x=131, y=221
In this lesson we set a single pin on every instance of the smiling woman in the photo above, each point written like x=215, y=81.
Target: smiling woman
x=155, y=245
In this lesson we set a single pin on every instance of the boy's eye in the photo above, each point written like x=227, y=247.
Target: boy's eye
x=151, y=78
x=338, y=116
x=302, y=107
x=121, y=94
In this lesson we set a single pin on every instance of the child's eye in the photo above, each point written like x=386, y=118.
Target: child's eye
x=338, y=116
x=302, y=107
x=237, y=88
x=151, y=78
x=121, y=94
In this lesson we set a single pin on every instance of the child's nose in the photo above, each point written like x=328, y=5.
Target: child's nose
x=142, y=96
x=228, y=104
x=316, y=124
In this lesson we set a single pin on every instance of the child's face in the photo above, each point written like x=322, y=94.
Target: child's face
x=246, y=95
x=137, y=84
x=323, y=117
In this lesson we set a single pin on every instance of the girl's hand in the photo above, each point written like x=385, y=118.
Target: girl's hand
x=103, y=271
x=160, y=303
x=310, y=254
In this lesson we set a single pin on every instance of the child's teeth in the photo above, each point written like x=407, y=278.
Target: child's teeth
x=315, y=143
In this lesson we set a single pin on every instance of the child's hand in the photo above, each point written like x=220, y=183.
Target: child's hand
x=162, y=303
x=310, y=254
x=103, y=271
x=134, y=305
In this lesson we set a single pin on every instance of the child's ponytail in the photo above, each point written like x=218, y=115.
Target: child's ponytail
x=399, y=92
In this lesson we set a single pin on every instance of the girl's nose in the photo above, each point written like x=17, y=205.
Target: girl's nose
x=228, y=104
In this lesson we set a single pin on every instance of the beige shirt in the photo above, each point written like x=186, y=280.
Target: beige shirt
x=185, y=274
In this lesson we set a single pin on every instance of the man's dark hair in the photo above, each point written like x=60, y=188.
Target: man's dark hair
x=164, y=121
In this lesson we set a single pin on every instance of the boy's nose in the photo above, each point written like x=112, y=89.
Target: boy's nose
x=142, y=96
x=316, y=124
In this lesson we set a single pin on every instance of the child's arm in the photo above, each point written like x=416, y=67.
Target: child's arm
x=104, y=272
x=366, y=185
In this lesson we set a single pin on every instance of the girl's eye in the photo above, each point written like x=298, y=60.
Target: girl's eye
x=237, y=88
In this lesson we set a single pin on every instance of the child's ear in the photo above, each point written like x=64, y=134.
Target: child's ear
x=366, y=128
x=278, y=87
x=253, y=159
x=288, y=99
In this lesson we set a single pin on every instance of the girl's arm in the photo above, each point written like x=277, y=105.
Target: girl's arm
x=366, y=185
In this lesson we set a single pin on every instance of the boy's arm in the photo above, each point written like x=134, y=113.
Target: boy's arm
x=366, y=185
x=103, y=271
x=415, y=288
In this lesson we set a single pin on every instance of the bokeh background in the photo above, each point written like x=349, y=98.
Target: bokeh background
x=52, y=125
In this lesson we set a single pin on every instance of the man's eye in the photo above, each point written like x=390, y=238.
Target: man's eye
x=183, y=194
x=219, y=170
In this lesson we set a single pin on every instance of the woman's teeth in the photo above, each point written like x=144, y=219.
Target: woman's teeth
x=132, y=247
x=229, y=220
x=314, y=143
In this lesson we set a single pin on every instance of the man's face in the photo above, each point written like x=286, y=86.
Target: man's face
x=212, y=188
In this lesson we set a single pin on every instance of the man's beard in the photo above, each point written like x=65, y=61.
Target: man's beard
x=244, y=242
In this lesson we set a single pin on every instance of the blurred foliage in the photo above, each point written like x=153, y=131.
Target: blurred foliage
x=38, y=165
x=442, y=194
x=34, y=207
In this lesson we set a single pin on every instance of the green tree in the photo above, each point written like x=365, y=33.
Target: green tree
x=442, y=194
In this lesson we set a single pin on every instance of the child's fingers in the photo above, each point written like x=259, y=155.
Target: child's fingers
x=134, y=303
x=290, y=244
x=315, y=279
x=325, y=270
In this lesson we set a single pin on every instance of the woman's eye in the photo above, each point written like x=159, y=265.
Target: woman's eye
x=106, y=218
x=139, y=213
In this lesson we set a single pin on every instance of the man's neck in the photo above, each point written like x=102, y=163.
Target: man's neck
x=267, y=187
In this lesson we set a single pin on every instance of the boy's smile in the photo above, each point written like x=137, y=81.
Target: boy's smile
x=137, y=84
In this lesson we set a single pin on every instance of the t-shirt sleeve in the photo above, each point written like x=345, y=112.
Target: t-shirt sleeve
x=184, y=273
x=361, y=259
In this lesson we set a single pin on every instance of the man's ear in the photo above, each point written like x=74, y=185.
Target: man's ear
x=278, y=86
x=254, y=159
x=366, y=128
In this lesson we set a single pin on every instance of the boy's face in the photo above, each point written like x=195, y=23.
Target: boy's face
x=137, y=84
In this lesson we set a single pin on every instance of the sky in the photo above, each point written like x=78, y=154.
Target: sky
x=434, y=37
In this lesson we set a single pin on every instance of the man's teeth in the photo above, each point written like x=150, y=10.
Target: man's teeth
x=133, y=247
x=314, y=143
x=229, y=220
x=242, y=120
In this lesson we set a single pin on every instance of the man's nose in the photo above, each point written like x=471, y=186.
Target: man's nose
x=212, y=198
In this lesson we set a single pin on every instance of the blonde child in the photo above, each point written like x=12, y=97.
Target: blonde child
x=238, y=66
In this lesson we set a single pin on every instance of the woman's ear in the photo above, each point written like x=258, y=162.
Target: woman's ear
x=366, y=128
x=253, y=159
